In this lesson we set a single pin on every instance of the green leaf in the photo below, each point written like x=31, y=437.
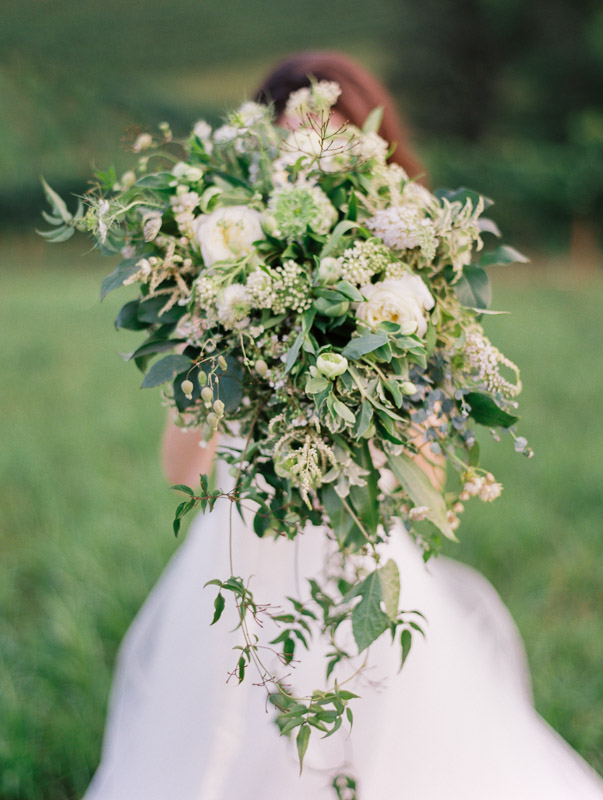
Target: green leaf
x=364, y=498
x=291, y=723
x=342, y=523
x=373, y=122
x=307, y=320
x=157, y=180
x=61, y=234
x=356, y=348
x=230, y=384
x=338, y=232
x=118, y=276
x=150, y=311
x=343, y=411
x=485, y=411
x=288, y=650
x=473, y=287
x=181, y=487
x=421, y=491
x=487, y=225
x=328, y=308
x=406, y=642
x=128, y=317
x=315, y=385
x=165, y=370
x=154, y=344
x=368, y=620
x=57, y=203
x=461, y=195
x=303, y=737
x=349, y=291
x=502, y=256
x=390, y=588
x=364, y=420
x=219, y=604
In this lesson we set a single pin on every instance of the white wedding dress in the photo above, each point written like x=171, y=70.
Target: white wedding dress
x=457, y=722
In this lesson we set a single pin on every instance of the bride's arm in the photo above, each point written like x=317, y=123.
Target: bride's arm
x=183, y=459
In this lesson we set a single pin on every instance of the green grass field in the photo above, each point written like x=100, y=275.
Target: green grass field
x=85, y=517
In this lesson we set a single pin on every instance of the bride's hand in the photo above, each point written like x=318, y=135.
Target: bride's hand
x=183, y=457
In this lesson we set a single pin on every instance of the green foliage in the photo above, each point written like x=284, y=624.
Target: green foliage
x=165, y=370
x=369, y=621
x=422, y=491
x=484, y=410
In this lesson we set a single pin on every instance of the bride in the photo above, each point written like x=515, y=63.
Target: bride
x=457, y=722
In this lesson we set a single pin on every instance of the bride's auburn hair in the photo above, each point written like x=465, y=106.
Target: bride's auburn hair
x=360, y=94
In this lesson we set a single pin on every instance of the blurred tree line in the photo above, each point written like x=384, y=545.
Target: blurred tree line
x=509, y=96
x=502, y=95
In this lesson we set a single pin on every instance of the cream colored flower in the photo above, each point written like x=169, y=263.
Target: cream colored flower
x=233, y=307
x=227, y=233
x=404, y=300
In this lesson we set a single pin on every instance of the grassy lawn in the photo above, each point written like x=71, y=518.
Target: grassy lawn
x=85, y=513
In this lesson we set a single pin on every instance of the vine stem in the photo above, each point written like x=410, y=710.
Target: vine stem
x=266, y=674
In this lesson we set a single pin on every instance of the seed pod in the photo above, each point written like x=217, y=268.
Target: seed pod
x=187, y=389
x=261, y=367
x=408, y=387
x=202, y=378
x=207, y=395
x=219, y=408
x=213, y=420
x=222, y=362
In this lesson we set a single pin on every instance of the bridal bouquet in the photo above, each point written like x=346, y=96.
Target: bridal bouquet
x=301, y=293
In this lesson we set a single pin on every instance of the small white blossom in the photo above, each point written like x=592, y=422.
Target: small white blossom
x=142, y=142
x=233, y=307
x=202, y=130
x=225, y=133
x=404, y=228
x=483, y=360
x=418, y=513
x=370, y=145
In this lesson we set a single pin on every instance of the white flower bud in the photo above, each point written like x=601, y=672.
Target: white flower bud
x=202, y=378
x=261, y=367
x=219, y=408
x=329, y=270
x=194, y=174
x=207, y=395
x=331, y=364
x=222, y=362
x=187, y=389
x=408, y=387
x=213, y=420
x=128, y=179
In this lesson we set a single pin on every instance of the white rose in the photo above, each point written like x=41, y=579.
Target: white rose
x=403, y=300
x=228, y=232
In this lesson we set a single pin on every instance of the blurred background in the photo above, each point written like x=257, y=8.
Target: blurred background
x=503, y=96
